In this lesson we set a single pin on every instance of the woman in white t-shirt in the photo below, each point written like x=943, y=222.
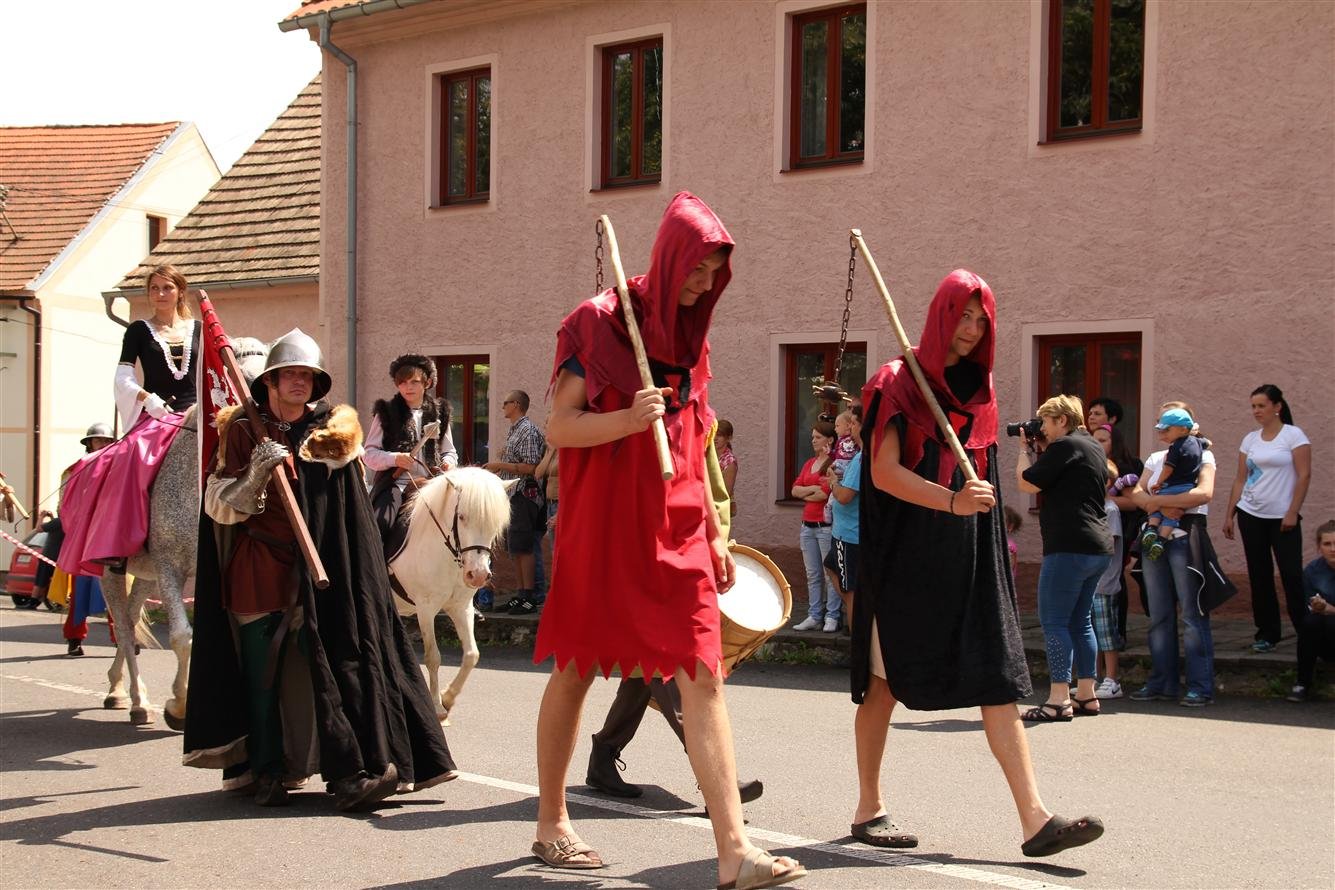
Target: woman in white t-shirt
x=1274, y=470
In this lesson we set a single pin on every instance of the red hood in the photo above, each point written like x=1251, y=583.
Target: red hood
x=902, y=396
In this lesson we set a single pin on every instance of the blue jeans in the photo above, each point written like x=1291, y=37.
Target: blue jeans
x=1066, y=585
x=823, y=599
x=1168, y=583
x=1180, y=488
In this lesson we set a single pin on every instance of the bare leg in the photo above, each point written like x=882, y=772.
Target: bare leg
x=709, y=748
x=870, y=728
x=1110, y=665
x=1006, y=738
x=524, y=563
x=1060, y=694
x=558, y=727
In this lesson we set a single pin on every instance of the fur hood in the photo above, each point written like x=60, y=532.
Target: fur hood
x=335, y=442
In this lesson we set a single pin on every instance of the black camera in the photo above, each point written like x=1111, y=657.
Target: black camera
x=1033, y=428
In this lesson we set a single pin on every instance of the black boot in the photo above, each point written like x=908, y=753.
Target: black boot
x=269, y=792
x=604, y=763
x=75, y=648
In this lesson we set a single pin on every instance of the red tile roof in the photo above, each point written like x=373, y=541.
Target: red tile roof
x=58, y=178
x=262, y=220
x=311, y=7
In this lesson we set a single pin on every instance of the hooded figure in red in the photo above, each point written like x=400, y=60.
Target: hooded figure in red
x=634, y=584
x=938, y=586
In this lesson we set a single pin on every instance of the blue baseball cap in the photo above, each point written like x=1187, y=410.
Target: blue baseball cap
x=1174, y=417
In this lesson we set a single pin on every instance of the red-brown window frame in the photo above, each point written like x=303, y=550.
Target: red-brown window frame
x=833, y=156
x=637, y=176
x=471, y=196
x=1093, y=344
x=790, y=353
x=157, y=230
x=468, y=415
x=1098, y=112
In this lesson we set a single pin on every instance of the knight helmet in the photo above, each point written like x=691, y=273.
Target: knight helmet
x=295, y=349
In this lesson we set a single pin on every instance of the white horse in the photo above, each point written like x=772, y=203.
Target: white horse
x=168, y=560
x=446, y=557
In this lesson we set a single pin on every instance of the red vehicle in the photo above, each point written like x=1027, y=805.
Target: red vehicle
x=23, y=572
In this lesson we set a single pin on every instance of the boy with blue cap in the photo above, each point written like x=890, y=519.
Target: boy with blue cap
x=1182, y=467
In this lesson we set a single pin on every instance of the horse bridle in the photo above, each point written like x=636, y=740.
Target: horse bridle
x=451, y=538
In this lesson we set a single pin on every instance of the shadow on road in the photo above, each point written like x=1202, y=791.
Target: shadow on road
x=34, y=739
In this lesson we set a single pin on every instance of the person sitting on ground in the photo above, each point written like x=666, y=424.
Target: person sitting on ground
x=1182, y=469
x=1316, y=635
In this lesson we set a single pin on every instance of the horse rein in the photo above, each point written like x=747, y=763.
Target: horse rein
x=450, y=538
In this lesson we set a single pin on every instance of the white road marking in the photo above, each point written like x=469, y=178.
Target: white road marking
x=776, y=838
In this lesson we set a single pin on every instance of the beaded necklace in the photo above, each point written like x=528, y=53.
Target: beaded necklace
x=177, y=371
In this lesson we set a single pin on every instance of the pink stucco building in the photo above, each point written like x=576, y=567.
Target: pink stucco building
x=1149, y=189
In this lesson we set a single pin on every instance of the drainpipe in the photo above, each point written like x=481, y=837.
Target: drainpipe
x=35, y=311
x=351, y=64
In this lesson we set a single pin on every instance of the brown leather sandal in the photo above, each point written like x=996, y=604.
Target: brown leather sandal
x=1048, y=712
x=1081, y=707
x=567, y=852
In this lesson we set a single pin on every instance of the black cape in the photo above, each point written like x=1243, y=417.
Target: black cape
x=940, y=589
x=372, y=707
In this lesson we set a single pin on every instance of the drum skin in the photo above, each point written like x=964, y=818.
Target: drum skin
x=758, y=604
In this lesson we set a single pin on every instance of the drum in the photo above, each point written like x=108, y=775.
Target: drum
x=758, y=604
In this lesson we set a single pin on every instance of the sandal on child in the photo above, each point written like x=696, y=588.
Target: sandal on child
x=757, y=871
x=1081, y=707
x=1060, y=833
x=567, y=852
x=1049, y=713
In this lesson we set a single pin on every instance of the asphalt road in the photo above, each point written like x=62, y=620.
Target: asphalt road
x=1241, y=794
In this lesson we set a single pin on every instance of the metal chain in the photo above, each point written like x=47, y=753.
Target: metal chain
x=848, y=308
x=598, y=259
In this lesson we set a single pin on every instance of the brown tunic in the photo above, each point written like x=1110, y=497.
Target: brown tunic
x=260, y=576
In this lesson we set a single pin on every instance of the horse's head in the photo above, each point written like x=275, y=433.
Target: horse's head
x=473, y=509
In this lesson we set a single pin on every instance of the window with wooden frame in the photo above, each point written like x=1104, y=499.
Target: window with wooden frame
x=632, y=113
x=465, y=136
x=464, y=381
x=1096, y=67
x=157, y=230
x=803, y=362
x=828, y=87
x=1094, y=366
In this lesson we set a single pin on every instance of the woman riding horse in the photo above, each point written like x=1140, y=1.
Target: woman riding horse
x=108, y=494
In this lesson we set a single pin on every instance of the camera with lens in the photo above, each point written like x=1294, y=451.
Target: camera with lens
x=1033, y=428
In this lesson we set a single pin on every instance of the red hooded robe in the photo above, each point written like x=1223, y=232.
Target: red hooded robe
x=633, y=583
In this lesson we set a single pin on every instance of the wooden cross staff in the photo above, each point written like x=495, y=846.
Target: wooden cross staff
x=912, y=361
x=637, y=344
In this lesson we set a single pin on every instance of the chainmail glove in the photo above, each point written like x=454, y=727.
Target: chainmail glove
x=245, y=494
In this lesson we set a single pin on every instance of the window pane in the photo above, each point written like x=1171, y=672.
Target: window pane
x=482, y=172
x=1077, y=26
x=454, y=387
x=1119, y=378
x=622, y=122
x=651, y=156
x=805, y=410
x=815, y=47
x=1066, y=372
x=853, y=82
x=458, y=138
x=1125, y=59
x=481, y=425
x=854, y=372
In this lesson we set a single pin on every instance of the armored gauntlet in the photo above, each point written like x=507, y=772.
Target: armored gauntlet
x=245, y=494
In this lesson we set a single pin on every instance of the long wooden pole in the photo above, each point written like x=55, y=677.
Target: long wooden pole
x=216, y=339
x=912, y=361
x=637, y=344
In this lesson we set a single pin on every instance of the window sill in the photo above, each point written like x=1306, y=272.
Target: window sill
x=623, y=186
x=824, y=165
x=789, y=502
x=1091, y=134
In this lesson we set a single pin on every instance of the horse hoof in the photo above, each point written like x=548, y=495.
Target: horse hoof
x=172, y=721
x=115, y=703
x=140, y=716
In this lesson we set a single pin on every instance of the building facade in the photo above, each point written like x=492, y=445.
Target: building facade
x=1148, y=187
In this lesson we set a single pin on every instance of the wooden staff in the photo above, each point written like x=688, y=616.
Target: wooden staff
x=641, y=360
x=912, y=361
x=217, y=339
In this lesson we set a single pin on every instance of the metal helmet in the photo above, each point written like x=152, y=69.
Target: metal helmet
x=98, y=430
x=295, y=349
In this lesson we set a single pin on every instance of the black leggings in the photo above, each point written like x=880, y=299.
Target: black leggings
x=1316, y=639
x=1261, y=537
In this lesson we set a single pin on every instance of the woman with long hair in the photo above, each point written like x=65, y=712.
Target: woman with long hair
x=1274, y=470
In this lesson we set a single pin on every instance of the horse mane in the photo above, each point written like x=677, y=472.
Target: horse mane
x=481, y=498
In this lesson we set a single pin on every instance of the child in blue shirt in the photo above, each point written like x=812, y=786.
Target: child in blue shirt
x=1181, y=469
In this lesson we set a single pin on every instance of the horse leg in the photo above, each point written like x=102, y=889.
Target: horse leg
x=171, y=584
x=134, y=606
x=426, y=623
x=116, y=596
x=460, y=610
